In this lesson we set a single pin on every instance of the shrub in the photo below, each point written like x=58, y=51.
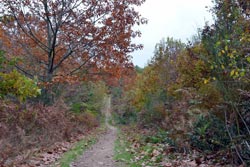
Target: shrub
x=161, y=136
x=15, y=83
x=85, y=97
x=209, y=134
x=125, y=118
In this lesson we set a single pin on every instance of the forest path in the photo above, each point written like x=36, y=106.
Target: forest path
x=101, y=154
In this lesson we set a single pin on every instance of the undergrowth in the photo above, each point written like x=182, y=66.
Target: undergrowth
x=35, y=126
x=138, y=149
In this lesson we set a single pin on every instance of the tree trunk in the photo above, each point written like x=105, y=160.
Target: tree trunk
x=47, y=96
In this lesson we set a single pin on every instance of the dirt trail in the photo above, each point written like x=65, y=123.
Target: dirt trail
x=100, y=154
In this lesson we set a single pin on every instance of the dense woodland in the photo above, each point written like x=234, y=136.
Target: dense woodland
x=60, y=59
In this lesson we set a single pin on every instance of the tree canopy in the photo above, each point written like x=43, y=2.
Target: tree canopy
x=59, y=38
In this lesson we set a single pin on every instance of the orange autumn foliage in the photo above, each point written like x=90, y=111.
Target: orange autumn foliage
x=55, y=39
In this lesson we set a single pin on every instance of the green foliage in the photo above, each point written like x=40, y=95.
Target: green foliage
x=209, y=134
x=6, y=65
x=210, y=96
x=97, y=93
x=138, y=69
x=125, y=118
x=17, y=84
x=86, y=101
x=79, y=108
x=2, y=59
x=123, y=111
x=161, y=136
x=14, y=83
x=226, y=42
x=87, y=97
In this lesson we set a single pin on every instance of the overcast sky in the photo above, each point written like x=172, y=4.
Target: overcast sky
x=179, y=19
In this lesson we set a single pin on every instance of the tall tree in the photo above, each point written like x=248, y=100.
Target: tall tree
x=66, y=37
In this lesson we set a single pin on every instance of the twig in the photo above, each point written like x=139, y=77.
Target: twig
x=231, y=138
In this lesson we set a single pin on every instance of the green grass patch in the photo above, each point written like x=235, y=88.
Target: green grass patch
x=122, y=153
x=77, y=150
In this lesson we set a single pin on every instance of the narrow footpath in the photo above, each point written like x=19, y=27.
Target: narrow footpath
x=101, y=154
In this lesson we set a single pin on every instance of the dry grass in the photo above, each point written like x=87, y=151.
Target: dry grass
x=35, y=126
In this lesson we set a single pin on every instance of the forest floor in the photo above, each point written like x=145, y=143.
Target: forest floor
x=101, y=154
x=107, y=146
